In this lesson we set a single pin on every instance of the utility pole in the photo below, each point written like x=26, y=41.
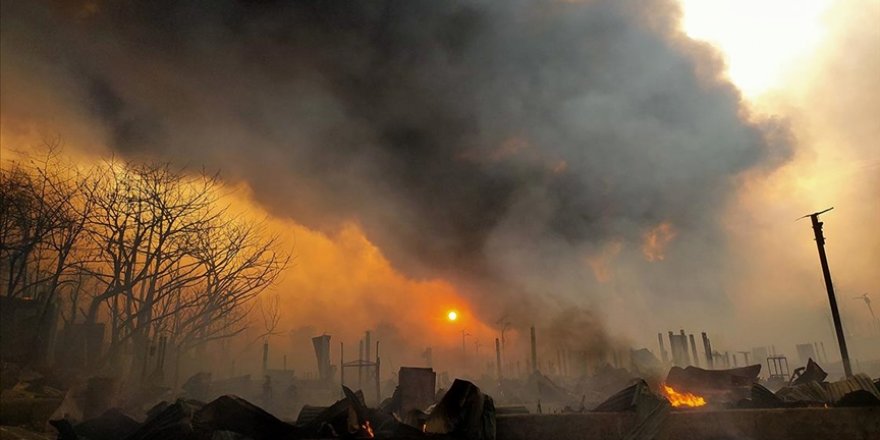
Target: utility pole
x=498, y=359
x=835, y=314
x=503, y=340
x=534, y=352
x=867, y=301
x=464, y=334
x=265, y=355
x=503, y=351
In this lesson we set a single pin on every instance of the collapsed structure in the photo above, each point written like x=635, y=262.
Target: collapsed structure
x=688, y=402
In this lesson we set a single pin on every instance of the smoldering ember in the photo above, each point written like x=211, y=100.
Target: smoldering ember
x=414, y=219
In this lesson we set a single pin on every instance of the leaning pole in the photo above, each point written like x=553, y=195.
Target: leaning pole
x=832, y=300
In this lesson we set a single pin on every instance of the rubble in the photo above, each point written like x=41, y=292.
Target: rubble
x=761, y=397
x=111, y=425
x=548, y=390
x=718, y=386
x=326, y=422
x=98, y=396
x=837, y=390
x=698, y=379
x=414, y=394
x=808, y=388
x=172, y=421
x=858, y=398
x=632, y=398
x=417, y=410
x=29, y=401
x=198, y=386
x=606, y=381
x=19, y=433
x=809, y=393
x=651, y=410
x=825, y=393
x=234, y=414
x=741, y=424
x=464, y=412
x=812, y=372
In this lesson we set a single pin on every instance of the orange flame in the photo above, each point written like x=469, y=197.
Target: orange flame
x=368, y=429
x=682, y=398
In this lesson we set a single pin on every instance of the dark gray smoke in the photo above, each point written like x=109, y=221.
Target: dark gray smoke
x=493, y=143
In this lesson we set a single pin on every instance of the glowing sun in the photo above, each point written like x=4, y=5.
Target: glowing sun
x=760, y=39
x=452, y=315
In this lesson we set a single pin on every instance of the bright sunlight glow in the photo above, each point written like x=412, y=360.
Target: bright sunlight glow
x=762, y=40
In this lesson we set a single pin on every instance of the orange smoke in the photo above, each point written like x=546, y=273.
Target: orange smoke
x=678, y=399
x=344, y=274
x=656, y=240
x=601, y=263
x=340, y=283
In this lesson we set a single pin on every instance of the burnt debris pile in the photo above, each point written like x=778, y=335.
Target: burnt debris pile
x=463, y=413
x=736, y=388
x=420, y=407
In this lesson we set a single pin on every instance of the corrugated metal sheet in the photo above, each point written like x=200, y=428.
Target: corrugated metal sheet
x=828, y=392
x=836, y=390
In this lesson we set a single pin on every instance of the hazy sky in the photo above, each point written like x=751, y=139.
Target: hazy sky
x=603, y=169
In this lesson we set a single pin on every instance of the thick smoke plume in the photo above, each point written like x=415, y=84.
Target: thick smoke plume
x=503, y=145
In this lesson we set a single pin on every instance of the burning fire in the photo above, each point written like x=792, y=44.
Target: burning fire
x=368, y=429
x=682, y=398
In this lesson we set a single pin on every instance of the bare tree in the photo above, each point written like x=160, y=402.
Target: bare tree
x=42, y=217
x=140, y=232
x=239, y=262
x=147, y=248
x=270, y=312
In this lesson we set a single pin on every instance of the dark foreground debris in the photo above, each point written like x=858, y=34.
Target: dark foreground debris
x=651, y=410
x=464, y=413
x=703, y=381
x=108, y=426
x=815, y=393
